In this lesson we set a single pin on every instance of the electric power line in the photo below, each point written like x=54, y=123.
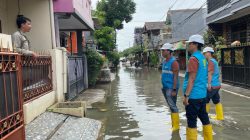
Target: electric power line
x=188, y=18
x=173, y=4
x=190, y=7
x=169, y=9
x=217, y=16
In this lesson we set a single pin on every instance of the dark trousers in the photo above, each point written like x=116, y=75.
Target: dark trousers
x=196, y=108
x=214, y=95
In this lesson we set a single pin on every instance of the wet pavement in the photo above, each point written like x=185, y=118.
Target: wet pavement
x=136, y=109
x=54, y=126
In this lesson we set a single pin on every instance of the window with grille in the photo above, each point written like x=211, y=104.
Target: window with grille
x=239, y=33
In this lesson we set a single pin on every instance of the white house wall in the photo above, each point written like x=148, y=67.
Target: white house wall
x=39, y=12
x=3, y=14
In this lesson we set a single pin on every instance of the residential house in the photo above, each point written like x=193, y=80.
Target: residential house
x=184, y=23
x=155, y=33
x=72, y=19
x=138, y=40
x=52, y=20
x=230, y=19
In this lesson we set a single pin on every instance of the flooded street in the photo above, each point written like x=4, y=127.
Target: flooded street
x=136, y=109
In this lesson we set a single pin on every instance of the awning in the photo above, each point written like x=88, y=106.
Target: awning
x=72, y=22
x=73, y=14
x=181, y=45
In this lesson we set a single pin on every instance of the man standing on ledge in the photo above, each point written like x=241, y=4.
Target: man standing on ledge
x=170, y=82
x=19, y=39
x=195, y=90
x=214, y=84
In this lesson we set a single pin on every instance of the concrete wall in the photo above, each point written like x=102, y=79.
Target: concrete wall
x=3, y=15
x=59, y=66
x=83, y=7
x=34, y=108
x=38, y=106
x=38, y=11
x=181, y=28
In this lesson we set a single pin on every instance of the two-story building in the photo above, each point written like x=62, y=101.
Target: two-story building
x=230, y=19
x=185, y=22
x=155, y=33
x=51, y=77
x=138, y=38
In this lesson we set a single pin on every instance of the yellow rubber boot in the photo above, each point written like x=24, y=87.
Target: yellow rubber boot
x=208, y=132
x=191, y=134
x=208, y=107
x=175, y=121
x=219, y=111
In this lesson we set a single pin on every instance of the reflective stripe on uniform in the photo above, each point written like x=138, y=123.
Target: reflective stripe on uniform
x=167, y=71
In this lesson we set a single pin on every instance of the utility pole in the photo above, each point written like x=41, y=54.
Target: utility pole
x=141, y=48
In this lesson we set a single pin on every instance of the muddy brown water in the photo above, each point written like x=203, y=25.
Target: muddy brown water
x=136, y=109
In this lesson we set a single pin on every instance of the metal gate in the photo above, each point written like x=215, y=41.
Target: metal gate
x=236, y=65
x=75, y=76
x=11, y=100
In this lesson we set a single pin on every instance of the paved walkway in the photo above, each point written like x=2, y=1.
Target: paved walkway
x=92, y=96
x=54, y=126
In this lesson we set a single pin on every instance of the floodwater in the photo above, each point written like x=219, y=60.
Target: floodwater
x=136, y=109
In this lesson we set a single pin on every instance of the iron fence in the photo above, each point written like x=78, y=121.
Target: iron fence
x=235, y=65
x=11, y=101
x=36, y=75
x=75, y=76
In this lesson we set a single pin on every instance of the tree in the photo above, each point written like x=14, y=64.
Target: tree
x=105, y=38
x=115, y=12
x=154, y=59
x=209, y=37
x=114, y=57
x=133, y=51
x=95, y=62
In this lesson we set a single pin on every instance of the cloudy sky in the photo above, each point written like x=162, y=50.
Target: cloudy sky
x=149, y=10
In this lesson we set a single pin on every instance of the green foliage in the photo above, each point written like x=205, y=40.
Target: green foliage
x=217, y=42
x=100, y=16
x=154, y=59
x=218, y=46
x=95, y=62
x=111, y=14
x=209, y=37
x=131, y=51
x=105, y=38
x=116, y=12
x=212, y=40
x=114, y=57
